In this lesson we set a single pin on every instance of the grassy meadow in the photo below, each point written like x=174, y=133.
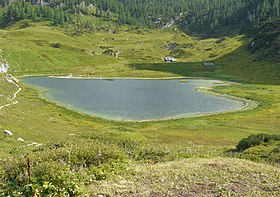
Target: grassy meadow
x=85, y=155
x=32, y=50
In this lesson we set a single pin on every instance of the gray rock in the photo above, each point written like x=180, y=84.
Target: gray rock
x=4, y=67
x=34, y=144
x=7, y=132
x=20, y=139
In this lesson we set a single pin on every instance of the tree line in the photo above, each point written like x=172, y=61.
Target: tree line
x=194, y=16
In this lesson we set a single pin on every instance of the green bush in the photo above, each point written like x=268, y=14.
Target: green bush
x=65, y=168
x=255, y=140
x=56, y=45
x=60, y=169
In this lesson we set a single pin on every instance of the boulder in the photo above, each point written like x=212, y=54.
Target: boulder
x=20, y=139
x=7, y=132
x=4, y=67
x=34, y=144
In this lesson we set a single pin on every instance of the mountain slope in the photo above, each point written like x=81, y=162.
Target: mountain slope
x=266, y=40
x=203, y=17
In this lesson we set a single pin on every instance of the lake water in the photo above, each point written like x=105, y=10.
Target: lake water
x=132, y=99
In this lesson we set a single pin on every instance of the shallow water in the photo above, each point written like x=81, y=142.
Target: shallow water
x=133, y=99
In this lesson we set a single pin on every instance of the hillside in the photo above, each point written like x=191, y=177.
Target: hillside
x=266, y=41
x=49, y=49
x=34, y=50
x=203, y=17
x=192, y=177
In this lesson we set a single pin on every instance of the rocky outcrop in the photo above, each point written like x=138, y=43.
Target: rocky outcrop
x=4, y=67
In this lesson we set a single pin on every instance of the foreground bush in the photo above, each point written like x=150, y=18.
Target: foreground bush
x=65, y=169
x=59, y=170
x=255, y=140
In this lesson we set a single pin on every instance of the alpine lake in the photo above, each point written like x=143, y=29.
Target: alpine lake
x=135, y=99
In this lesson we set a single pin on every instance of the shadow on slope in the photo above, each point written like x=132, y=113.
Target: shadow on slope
x=239, y=66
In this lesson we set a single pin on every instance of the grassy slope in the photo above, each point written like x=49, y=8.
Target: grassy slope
x=196, y=177
x=34, y=119
x=30, y=50
x=238, y=65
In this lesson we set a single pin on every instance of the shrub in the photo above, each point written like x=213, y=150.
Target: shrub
x=152, y=155
x=178, y=53
x=56, y=45
x=24, y=25
x=108, y=52
x=255, y=140
x=59, y=169
x=212, y=55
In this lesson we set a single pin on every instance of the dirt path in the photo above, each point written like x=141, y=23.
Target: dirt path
x=12, y=80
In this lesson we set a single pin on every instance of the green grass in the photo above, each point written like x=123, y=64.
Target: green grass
x=56, y=123
x=195, y=177
x=149, y=155
x=30, y=50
